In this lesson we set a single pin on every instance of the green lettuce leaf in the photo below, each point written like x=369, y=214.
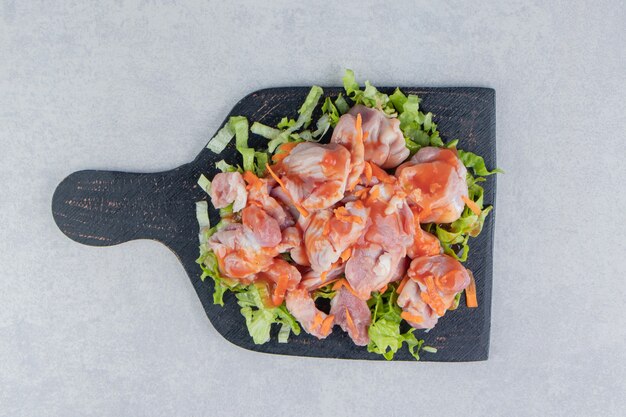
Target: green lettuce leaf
x=384, y=331
x=223, y=137
x=204, y=183
x=369, y=97
x=224, y=166
x=259, y=318
x=341, y=104
x=477, y=164
x=306, y=110
x=265, y=131
x=261, y=160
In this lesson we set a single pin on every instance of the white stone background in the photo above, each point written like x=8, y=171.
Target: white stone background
x=142, y=86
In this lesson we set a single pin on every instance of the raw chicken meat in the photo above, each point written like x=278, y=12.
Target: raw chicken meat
x=434, y=179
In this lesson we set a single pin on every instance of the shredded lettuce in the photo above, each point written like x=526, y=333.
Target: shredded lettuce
x=330, y=111
x=204, y=183
x=454, y=237
x=202, y=215
x=323, y=124
x=324, y=292
x=369, y=97
x=259, y=317
x=265, y=131
x=477, y=164
x=384, y=331
x=398, y=99
x=341, y=104
x=248, y=158
x=306, y=110
x=225, y=166
x=223, y=137
x=261, y=160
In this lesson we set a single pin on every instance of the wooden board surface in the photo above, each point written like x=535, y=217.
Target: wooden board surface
x=103, y=208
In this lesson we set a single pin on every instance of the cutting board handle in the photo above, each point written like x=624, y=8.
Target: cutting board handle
x=104, y=208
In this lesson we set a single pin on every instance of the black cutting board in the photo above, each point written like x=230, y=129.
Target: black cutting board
x=104, y=208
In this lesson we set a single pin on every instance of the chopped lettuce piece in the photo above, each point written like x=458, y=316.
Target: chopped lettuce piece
x=398, y=99
x=263, y=130
x=350, y=84
x=341, y=104
x=239, y=125
x=384, y=331
x=259, y=317
x=477, y=164
x=248, y=158
x=324, y=292
x=452, y=144
x=225, y=166
x=202, y=215
x=223, y=137
x=286, y=123
x=306, y=110
x=330, y=112
x=261, y=160
x=204, y=183
x=323, y=124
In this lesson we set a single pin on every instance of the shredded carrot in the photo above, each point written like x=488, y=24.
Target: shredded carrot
x=411, y=317
x=368, y=172
x=358, y=140
x=384, y=289
x=470, y=292
x=402, y=284
x=373, y=194
x=472, y=205
x=345, y=255
x=283, y=151
x=327, y=324
x=326, y=229
x=317, y=321
x=344, y=283
x=279, y=291
x=360, y=193
x=351, y=324
x=251, y=179
x=342, y=214
x=380, y=173
x=299, y=207
x=323, y=276
x=432, y=297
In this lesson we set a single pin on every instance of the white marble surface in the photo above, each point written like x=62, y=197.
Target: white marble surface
x=142, y=86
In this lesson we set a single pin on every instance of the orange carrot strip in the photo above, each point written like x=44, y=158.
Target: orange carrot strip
x=327, y=324
x=373, y=195
x=283, y=151
x=300, y=209
x=360, y=193
x=345, y=255
x=384, y=289
x=250, y=178
x=472, y=205
x=317, y=321
x=279, y=291
x=411, y=317
x=342, y=214
x=323, y=276
x=368, y=172
x=380, y=173
x=402, y=284
x=344, y=283
x=470, y=292
x=351, y=324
